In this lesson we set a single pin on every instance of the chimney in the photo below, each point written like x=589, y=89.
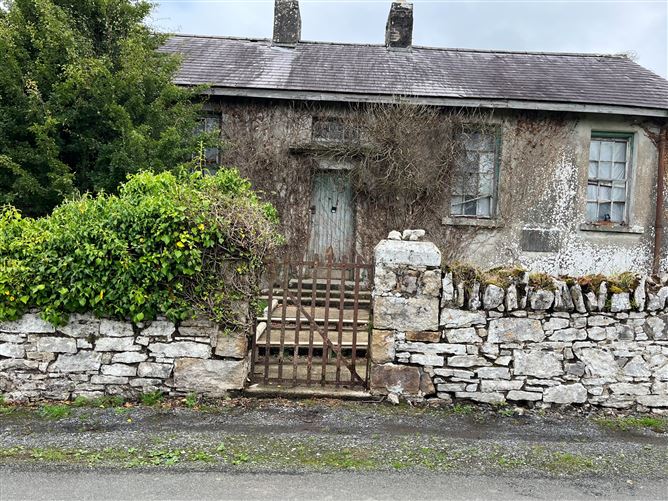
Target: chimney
x=399, y=27
x=287, y=22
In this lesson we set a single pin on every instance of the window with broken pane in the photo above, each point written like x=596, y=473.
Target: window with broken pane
x=607, y=188
x=474, y=180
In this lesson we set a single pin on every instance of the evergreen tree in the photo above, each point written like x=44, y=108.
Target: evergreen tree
x=86, y=97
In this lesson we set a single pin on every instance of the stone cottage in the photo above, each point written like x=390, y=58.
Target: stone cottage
x=565, y=176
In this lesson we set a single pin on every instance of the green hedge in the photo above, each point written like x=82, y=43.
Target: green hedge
x=165, y=245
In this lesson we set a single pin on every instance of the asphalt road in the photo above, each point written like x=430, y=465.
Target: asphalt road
x=165, y=485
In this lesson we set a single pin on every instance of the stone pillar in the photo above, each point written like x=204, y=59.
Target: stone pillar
x=406, y=296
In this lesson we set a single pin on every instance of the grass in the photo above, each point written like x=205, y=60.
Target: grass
x=463, y=409
x=313, y=455
x=541, y=281
x=191, y=400
x=4, y=408
x=564, y=462
x=107, y=401
x=506, y=411
x=152, y=398
x=54, y=411
x=629, y=423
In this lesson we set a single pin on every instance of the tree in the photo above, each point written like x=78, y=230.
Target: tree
x=86, y=97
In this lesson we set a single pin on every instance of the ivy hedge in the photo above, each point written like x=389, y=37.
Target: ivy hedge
x=166, y=244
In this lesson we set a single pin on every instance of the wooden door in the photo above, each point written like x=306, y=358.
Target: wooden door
x=332, y=231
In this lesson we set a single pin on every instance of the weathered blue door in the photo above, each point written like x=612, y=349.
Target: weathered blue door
x=332, y=216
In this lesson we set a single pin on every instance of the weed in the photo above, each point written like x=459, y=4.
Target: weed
x=502, y=277
x=510, y=462
x=345, y=459
x=624, y=282
x=4, y=408
x=565, y=462
x=81, y=401
x=54, y=411
x=463, y=409
x=201, y=456
x=152, y=398
x=191, y=400
x=399, y=465
x=657, y=425
x=48, y=455
x=260, y=305
x=506, y=412
x=240, y=458
x=591, y=283
x=102, y=402
x=465, y=273
x=109, y=401
x=541, y=281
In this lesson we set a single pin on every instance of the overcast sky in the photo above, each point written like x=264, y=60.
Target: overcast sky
x=602, y=26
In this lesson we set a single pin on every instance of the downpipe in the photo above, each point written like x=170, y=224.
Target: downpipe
x=659, y=218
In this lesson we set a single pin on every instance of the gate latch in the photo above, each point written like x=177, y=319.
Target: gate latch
x=334, y=210
x=312, y=209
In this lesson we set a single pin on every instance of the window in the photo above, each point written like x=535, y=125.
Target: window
x=474, y=180
x=332, y=130
x=609, y=169
x=209, y=123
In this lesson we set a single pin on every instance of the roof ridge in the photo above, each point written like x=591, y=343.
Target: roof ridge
x=422, y=47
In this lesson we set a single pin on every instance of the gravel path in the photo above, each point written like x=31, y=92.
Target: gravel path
x=312, y=436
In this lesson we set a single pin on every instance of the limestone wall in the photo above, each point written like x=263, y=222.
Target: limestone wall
x=437, y=339
x=93, y=357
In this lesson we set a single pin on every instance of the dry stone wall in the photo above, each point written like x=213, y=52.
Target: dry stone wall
x=93, y=357
x=434, y=338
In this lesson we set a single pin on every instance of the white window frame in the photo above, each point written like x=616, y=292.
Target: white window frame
x=458, y=197
x=604, y=186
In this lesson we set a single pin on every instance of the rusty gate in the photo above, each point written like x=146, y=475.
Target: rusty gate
x=315, y=328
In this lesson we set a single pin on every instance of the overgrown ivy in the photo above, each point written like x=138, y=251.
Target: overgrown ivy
x=166, y=244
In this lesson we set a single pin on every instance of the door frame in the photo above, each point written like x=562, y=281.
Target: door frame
x=325, y=165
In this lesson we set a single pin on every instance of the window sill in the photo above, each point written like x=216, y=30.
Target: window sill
x=604, y=228
x=472, y=221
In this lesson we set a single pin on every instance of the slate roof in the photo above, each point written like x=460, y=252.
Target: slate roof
x=233, y=63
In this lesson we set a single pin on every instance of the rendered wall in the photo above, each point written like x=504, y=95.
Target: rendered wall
x=542, y=185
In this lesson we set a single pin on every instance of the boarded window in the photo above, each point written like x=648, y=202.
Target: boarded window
x=609, y=170
x=332, y=130
x=539, y=240
x=474, y=182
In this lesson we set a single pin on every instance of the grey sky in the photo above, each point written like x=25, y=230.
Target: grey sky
x=601, y=26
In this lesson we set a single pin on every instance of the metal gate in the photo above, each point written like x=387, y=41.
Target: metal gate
x=315, y=328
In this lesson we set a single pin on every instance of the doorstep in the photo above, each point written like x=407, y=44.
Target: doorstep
x=275, y=390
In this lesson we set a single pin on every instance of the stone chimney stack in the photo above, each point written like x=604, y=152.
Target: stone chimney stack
x=287, y=22
x=399, y=27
